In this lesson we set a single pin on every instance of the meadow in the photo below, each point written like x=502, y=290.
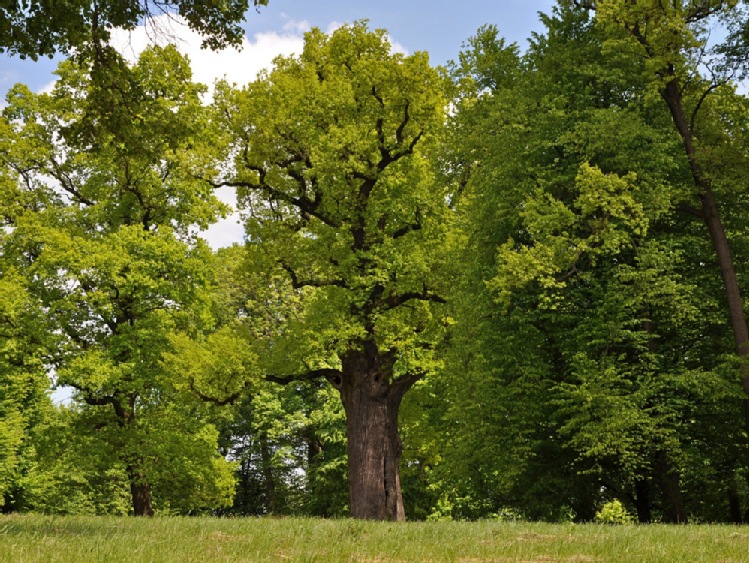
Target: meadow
x=34, y=538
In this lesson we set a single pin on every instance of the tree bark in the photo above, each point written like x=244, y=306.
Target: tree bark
x=734, y=504
x=668, y=478
x=140, y=491
x=642, y=501
x=372, y=403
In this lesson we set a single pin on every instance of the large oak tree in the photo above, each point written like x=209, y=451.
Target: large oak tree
x=331, y=159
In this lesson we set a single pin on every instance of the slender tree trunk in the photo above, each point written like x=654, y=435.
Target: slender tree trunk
x=140, y=491
x=673, y=503
x=642, y=501
x=734, y=504
x=711, y=216
x=268, y=478
x=371, y=403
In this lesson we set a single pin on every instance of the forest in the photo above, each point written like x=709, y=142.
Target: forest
x=507, y=288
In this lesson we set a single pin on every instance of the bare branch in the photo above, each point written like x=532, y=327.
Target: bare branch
x=303, y=204
x=402, y=126
x=714, y=86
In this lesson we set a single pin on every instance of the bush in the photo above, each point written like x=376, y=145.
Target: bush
x=613, y=512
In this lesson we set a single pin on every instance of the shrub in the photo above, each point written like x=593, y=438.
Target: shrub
x=613, y=512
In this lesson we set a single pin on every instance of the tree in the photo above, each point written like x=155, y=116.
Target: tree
x=23, y=380
x=288, y=441
x=673, y=39
x=34, y=28
x=584, y=359
x=332, y=165
x=24, y=349
x=104, y=240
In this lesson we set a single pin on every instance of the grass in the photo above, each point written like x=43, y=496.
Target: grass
x=32, y=538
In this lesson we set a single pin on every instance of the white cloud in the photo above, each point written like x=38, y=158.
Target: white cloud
x=239, y=66
x=396, y=47
x=236, y=65
x=229, y=230
x=48, y=87
x=297, y=27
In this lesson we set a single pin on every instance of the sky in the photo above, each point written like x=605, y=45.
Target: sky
x=438, y=27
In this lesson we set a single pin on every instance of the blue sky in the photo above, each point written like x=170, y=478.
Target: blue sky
x=436, y=26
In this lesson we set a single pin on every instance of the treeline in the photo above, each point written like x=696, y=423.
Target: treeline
x=508, y=288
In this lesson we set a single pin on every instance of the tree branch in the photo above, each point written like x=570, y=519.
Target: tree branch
x=405, y=229
x=425, y=295
x=303, y=204
x=334, y=376
x=296, y=283
x=228, y=400
x=703, y=97
x=402, y=126
x=689, y=210
x=585, y=4
x=401, y=386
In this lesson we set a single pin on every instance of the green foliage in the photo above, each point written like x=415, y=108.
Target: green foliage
x=34, y=28
x=339, y=193
x=104, y=239
x=289, y=443
x=68, y=472
x=23, y=381
x=530, y=262
x=567, y=378
x=613, y=512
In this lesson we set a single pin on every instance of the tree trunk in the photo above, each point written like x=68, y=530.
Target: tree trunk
x=711, y=216
x=734, y=504
x=371, y=403
x=668, y=478
x=268, y=477
x=140, y=491
x=642, y=501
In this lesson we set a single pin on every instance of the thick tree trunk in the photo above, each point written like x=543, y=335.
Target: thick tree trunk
x=371, y=403
x=140, y=491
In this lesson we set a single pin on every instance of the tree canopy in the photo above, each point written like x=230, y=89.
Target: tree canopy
x=335, y=173
x=34, y=28
x=508, y=288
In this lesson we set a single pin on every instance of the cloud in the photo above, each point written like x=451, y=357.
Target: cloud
x=239, y=66
x=229, y=230
x=236, y=65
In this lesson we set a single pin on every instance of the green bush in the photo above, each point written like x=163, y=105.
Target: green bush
x=613, y=512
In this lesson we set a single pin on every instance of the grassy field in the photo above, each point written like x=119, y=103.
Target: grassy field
x=30, y=538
